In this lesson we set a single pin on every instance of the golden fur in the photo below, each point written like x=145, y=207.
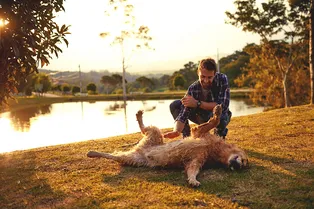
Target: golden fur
x=192, y=153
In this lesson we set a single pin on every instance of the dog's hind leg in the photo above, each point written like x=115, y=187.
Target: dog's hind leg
x=94, y=154
x=127, y=158
x=192, y=168
x=139, y=118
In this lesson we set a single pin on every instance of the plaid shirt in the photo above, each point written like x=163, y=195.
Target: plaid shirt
x=219, y=93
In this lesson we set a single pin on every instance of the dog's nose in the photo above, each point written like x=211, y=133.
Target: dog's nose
x=234, y=164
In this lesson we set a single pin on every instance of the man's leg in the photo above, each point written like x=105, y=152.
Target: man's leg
x=175, y=108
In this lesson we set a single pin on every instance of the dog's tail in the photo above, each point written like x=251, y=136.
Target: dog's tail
x=94, y=154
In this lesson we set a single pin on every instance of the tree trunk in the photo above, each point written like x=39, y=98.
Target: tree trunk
x=286, y=90
x=123, y=72
x=123, y=82
x=311, y=55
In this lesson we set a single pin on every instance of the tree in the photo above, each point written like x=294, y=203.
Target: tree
x=231, y=65
x=268, y=20
x=145, y=82
x=189, y=73
x=178, y=81
x=42, y=80
x=65, y=88
x=128, y=31
x=26, y=86
x=262, y=74
x=303, y=5
x=75, y=89
x=108, y=81
x=29, y=36
x=91, y=87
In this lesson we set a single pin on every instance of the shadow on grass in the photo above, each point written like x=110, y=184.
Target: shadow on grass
x=269, y=181
x=21, y=187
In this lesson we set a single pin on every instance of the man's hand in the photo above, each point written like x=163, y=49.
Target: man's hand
x=172, y=134
x=189, y=101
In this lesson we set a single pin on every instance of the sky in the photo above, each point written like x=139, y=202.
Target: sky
x=181, y=31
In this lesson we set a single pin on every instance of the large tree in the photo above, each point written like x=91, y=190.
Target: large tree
x=130, y=36
x=270, y=19
x=231, y=65
x=29, y=37
x=189, y=73
x=303, y=5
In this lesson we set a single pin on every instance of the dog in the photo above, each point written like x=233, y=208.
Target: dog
x=192, y=153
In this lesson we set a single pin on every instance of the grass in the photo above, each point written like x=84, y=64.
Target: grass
x=280, y=145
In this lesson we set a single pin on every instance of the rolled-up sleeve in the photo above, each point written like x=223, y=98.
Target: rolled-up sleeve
x=224, y=93
x=185, y=112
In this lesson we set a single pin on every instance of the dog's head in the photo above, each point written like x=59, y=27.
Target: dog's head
x=238, y=161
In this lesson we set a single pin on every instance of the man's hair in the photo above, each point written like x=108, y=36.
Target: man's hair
x=208, y=64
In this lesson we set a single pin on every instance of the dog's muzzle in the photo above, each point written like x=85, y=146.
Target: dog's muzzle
x=236, y=163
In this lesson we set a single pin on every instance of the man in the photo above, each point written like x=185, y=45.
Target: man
x=203, y=95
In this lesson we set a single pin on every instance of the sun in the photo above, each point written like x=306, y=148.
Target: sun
x=3, y=22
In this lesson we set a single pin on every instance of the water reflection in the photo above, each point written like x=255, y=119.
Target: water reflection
x=21, y=119
x=71, y=122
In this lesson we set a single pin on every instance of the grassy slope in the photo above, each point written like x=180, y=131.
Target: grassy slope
x=280, y=144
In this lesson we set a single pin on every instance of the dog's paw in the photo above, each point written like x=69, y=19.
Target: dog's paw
x=194, y=183
x=195, y=128
x=139, y=113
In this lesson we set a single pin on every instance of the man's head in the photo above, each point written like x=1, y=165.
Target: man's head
x=206, y=72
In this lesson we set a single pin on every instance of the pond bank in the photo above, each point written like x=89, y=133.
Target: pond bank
x=24, y=102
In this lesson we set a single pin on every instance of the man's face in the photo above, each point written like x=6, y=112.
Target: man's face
x=206, y=77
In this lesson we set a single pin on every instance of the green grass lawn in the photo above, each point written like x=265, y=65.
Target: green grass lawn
x=280, y=145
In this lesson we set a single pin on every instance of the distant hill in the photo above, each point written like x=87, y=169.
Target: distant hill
x=73, y=77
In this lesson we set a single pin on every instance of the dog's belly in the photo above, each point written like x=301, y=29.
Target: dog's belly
x=177, y=153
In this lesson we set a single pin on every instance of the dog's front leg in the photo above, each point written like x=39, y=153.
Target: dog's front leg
x=192, y=168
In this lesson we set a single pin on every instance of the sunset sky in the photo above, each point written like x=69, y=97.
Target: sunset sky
x=182, y=31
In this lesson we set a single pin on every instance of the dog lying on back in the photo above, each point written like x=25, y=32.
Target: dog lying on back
x=192, y=153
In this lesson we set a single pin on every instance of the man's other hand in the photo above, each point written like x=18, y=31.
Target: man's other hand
x=172, y=134
x=189, y=101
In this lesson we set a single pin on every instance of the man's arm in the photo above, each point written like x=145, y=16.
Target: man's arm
x=224, y=94
x=189, y=101
x=178, y=127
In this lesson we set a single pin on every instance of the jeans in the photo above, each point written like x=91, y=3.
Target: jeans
x=199, y=116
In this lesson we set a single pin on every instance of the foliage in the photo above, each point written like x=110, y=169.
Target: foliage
x=270, y=19
x=145, y=82
x=29, y=37
x=56, y=87
x=262, y=74
x=44, y=81
x=108, y=81
x=75, y=89
x=178, y=81
x=231, y=65
x=189, y=73
x=26, y=86
x=65, y=88
x=91, y=87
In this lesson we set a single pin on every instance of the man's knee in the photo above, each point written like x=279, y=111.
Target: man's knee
x=175, y=107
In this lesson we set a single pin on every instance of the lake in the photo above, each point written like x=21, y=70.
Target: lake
x=63, y=123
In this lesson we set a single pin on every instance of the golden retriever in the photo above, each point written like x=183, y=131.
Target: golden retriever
x=192, y=152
